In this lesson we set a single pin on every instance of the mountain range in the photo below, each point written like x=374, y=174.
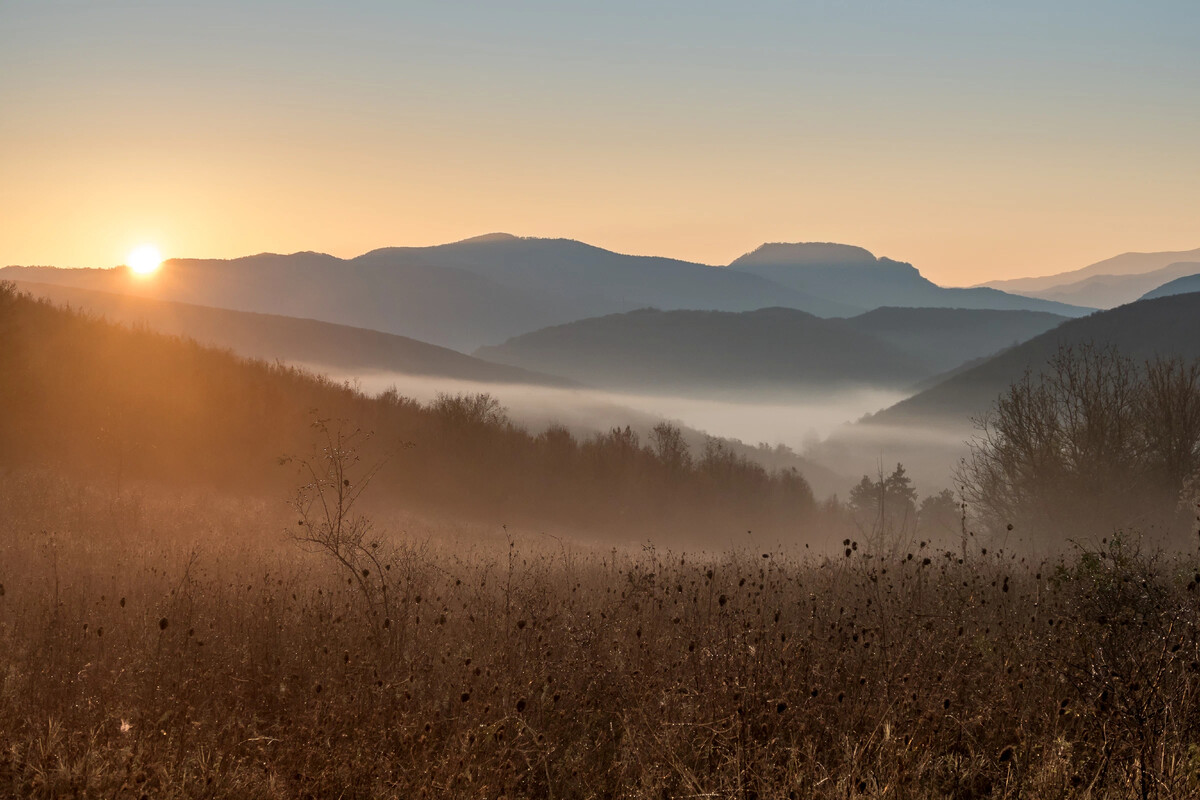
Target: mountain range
x=768, y=351
x=1183, y=285
x=488, y=289
x=1166, y=326
x=320, y=345
x=1108, y=283
x=928, y=431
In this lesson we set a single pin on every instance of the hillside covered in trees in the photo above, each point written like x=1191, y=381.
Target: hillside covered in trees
x=119, y=406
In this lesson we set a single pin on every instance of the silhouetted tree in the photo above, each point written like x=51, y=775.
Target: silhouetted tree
x=469, y=410
x=1093, y=445
x=670, y=447
x=884, y=508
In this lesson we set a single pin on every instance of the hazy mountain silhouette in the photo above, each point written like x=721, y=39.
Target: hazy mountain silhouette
x=770, y=350
x=1075, y=284
x=1164, y=326
x=458, y=295
x=929, y=430
x=305, y=341
x=1108, y=291
x=437, y=304
x=945, y=338
x=1184, y=285
x=853, y=275
x=488, y=289
x=609, y=281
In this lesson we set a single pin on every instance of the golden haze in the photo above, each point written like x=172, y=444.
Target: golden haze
x=959, y=223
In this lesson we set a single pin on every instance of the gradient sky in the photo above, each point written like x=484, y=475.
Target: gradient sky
x=977, y=140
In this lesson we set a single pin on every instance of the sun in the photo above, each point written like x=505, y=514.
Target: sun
x=144, y=259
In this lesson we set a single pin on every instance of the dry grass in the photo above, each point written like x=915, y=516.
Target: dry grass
x=184, y=647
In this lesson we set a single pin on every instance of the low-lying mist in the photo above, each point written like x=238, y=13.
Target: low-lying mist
x=815, y=426
x=798, y=424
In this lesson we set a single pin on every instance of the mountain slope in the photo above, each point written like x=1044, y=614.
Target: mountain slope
x=1108, y=291
x=945, y=338
x=1124, y=264
x=304, y=341
x=1184, y=285
x=769, y=350
x=1165, y=326
x=853, y=275
x=437, y=304
x=116, y=406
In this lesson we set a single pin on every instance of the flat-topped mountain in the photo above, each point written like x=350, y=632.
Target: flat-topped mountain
x=854, y=275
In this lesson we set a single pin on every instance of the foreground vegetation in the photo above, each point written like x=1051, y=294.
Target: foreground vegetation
x=156, y=645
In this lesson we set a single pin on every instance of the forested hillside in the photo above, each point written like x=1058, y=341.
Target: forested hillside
x=121, y=406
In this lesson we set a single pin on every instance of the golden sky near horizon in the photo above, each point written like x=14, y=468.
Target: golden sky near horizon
x=975, y=143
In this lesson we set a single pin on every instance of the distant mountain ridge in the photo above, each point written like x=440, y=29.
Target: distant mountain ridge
x=770, y=351
x=487, y=289
x=1109, y=291
x=946, y=338
x=929, y=430
x=298, y=341
x=1183, y=285
x=1166, y=326
x=1107, y=283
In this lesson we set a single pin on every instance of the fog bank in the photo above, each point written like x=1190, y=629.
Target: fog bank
x=796, y=424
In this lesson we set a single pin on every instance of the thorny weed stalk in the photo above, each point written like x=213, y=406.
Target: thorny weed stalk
x=334, y=481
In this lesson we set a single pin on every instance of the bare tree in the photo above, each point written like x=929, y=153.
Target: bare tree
x=1095, y=444
x=326, y=500
x=670, y=447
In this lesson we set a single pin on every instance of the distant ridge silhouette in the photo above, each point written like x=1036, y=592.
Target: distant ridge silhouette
x=1167, y=326
x=1184, y=285
x=768, y=351
x=487, y=289
x=850, y=274
x=1107, y=283
x=298, y=341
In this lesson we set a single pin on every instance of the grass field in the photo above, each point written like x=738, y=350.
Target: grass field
x=187, y=646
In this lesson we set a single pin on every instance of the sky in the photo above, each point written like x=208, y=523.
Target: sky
x=976, y=140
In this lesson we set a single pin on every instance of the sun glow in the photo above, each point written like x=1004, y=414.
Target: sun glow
x=144, y=259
